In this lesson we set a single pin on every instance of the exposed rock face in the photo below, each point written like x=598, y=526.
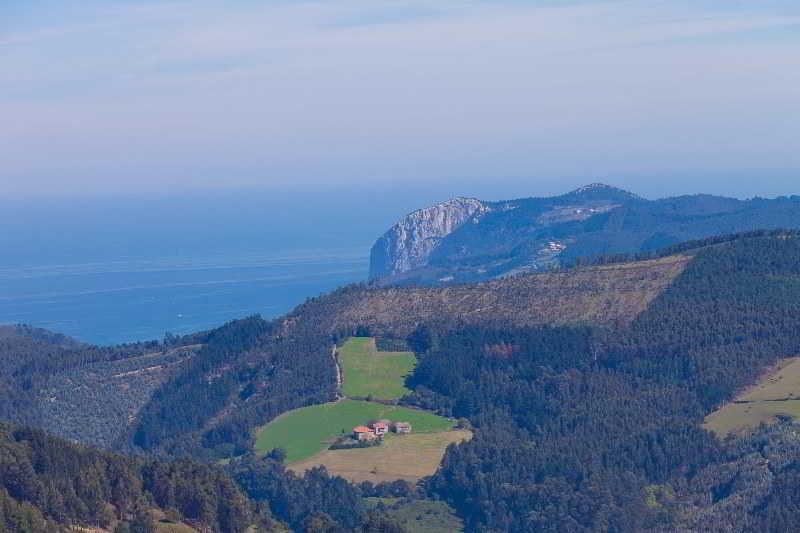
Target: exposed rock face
x=410, y=242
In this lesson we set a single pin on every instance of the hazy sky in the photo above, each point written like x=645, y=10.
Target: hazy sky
x=496, y=98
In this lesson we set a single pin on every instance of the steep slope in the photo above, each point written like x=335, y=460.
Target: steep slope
x=535, y=234
x=78, y=391
x=410, y=242
x=48, y=485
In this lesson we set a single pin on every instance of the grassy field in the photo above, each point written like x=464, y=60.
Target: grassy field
x=742, y=417
x=408, y=457
x=370, y=373
x=306, y=431
x=777, y=393
x=782, y=383
x=420, y=516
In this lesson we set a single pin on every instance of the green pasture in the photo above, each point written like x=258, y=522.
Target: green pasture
x=368, y=373
x=306, y=431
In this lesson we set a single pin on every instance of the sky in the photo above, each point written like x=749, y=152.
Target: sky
x=495, y=99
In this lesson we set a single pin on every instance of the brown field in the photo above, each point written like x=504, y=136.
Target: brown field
x=782, y=382
x=408, y=457
x=777, y=393
x=607, y=294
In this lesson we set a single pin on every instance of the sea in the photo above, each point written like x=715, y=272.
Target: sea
x=123, y=269
x=111, y=302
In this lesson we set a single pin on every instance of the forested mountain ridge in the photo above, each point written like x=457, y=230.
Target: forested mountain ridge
x=210, y=390
x=456, y=242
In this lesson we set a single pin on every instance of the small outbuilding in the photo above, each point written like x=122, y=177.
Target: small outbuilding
x=381, y=428
x=402, y=427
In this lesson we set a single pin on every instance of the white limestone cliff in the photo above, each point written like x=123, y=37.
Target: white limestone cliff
x=409, y=243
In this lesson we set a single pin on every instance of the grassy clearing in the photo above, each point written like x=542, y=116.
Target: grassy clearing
x=306, y=431
x=743, y=417
x=776, y=394
x=782, y=383
x=408, y=457
x=370, y=373
x=420, y=516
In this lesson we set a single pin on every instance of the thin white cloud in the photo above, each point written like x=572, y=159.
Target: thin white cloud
x=213, y=93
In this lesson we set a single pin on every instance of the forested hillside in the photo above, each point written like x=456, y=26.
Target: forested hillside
x=86, y=393
x=252, y=370
x=586, y=390
x=47, y=485
x=203, y=395
x=601, y=428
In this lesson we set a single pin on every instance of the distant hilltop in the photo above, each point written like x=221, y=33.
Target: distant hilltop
x=467, y=239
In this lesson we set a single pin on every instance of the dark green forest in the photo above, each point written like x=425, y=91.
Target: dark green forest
x=47, y=484
x=249, y=364
x=586, y=429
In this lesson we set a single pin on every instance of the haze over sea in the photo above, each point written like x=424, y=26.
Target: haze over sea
x=119, y=270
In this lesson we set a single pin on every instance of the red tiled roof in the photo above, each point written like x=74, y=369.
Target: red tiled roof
x=380, y=425
x=361, y=429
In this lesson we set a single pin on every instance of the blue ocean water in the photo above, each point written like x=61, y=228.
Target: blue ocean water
x=109, y=302
x=123, y=268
